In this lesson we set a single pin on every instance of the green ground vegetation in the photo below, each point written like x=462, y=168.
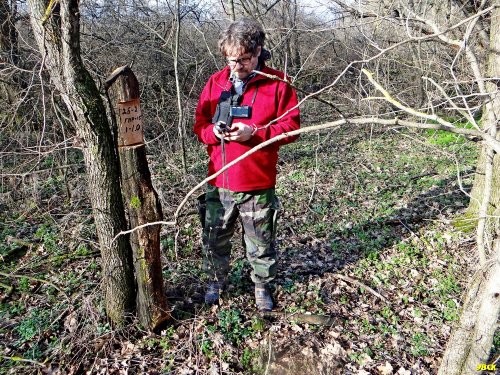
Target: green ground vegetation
x=363, y=212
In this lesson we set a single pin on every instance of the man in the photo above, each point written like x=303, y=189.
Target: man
x=237, y=110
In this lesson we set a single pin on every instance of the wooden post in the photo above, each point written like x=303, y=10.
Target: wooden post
x=141, y=200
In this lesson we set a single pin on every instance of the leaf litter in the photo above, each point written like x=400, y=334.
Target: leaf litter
x=367, y=243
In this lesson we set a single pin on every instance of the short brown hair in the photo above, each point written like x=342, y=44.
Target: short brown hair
x=245, y=35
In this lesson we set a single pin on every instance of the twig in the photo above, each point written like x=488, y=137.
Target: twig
x=443, y=124
x=175, y=53
x=361, y=285
x=381, y=52
x=36, y=279
x=335, y=125
x=461, y=111
x=9, y=288
x=176, y=243
x=48, y=11
x=313, y=190
x=33, y=172
x=20, y=359
x=271, y=7
x=315, y=173
x=269, y=353
x=496, y=359
x=424, y=242
x=44, y=110
x=388, y=97
x=312, y=95
x=314, y=128
x=316, y=319
x=143, y=226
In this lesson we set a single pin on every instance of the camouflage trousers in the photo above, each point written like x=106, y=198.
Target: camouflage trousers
x=258, y=211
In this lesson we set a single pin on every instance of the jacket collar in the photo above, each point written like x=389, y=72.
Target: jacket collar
x=225, y=77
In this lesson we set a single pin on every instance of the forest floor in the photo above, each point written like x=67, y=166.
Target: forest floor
x=371, y=272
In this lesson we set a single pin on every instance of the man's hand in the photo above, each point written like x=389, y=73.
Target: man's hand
x=217, y=133
x=239, y=132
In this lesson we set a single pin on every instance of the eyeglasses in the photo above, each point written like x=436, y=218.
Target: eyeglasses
x=241, y=60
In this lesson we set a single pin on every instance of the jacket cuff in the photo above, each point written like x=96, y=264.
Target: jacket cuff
x=209, y=136
x=257, y=138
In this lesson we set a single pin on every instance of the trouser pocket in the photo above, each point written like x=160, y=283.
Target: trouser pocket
x=276, y=208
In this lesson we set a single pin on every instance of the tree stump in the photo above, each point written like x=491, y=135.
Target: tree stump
x=140, y=199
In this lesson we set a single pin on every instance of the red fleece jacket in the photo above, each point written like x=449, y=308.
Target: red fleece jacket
x=273, y=99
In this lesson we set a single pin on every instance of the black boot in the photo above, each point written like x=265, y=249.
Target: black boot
x=213, y=292
x=263, y=298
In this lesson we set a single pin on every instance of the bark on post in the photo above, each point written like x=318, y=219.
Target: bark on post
x=141, y=201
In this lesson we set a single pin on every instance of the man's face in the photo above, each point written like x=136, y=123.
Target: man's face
x=242, y=64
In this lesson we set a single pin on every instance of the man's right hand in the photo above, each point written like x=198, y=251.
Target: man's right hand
x=217, y=133
x=239, y=132
x=218, y=129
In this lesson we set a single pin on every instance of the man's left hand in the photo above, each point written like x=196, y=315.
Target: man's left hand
x=239, y=132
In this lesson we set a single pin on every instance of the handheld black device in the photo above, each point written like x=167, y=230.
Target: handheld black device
x=244, y=111
x=228, y=108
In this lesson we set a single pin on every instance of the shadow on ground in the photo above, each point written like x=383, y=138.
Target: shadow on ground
x=302, y=255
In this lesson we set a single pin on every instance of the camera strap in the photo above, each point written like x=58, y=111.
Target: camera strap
x=235, y=99
x=225, y=176
x=255, y=93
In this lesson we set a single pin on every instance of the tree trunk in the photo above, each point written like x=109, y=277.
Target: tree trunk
x=296, y=38
x=58, y=39
x=478, y=187
x=9, y=55
x=180, y=119
x=232, y=12
x=490, y=118
x=143, y=207
x=470, y=342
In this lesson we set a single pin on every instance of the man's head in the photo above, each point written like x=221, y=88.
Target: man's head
x=241, y=43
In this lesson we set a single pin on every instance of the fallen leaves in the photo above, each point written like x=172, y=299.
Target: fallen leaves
x=368, y=225
x=385, y=369
x=71, y=323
